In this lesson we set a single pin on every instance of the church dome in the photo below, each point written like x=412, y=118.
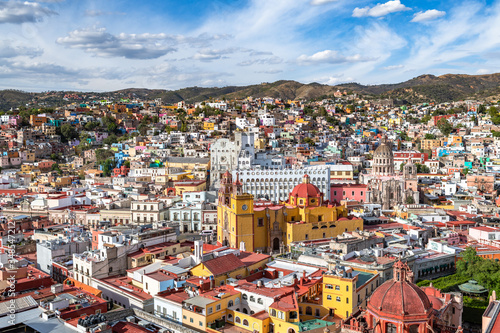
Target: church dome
x=306, y=194
x=400, y=296
x=383, y=151
x=383, y=160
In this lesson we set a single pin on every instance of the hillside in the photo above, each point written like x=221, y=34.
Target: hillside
x=424, y=88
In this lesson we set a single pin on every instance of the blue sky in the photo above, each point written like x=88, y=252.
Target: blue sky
x=115, y=44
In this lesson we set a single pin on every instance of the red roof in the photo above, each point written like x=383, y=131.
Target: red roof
x=305, y=190
x=126, y=327
x=223, y=264
x=399, y=297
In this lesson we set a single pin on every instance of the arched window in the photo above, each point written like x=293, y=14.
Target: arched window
x=237, y=301
x=229, y=317
x=230, y=304
x=390, y=328
x=245, y=311
x=259, y=300
x=252, y=298
x=273, y=313
x=244, y=297
x=245, y=322
x=237, y=320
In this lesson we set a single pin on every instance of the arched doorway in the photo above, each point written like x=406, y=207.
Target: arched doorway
x=276, y=244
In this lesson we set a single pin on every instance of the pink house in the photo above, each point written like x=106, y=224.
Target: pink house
x=339, y=192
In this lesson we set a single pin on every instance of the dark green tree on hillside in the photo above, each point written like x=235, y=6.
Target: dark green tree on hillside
x=444, y=126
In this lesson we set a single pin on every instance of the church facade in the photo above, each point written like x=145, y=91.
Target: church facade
x=267, y=227
x=387, y=188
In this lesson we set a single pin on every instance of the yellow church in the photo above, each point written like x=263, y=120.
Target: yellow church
x=266, y=227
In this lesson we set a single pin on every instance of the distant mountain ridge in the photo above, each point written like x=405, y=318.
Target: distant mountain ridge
x=424, y=88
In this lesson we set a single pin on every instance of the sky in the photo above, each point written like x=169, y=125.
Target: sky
x=105, y=45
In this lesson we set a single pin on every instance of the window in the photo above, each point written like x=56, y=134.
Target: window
x=184, y=317
x=210, y=310
x=259, y=300
x=191, y=320
x=346, y=288
x=260, y=222
x=317, y=313
x=306, y=236
x=320, y=218
x=329, y=297
x=217, y=307
x=347, y=300
x=338, y=299
x=328, y=286
x=337, y=287
x=390, y=328
x=201, y=324
x=273, y=313
x=309, y=311
x=245, y=322
x=244, y=296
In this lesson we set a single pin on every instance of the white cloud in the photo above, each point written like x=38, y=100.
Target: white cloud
x=330, y=57
x=483, y=71
x=321, y=2
x=380, y=9
x=270, y=71
x=131, y=46
x=428, y=15
x=393, y=67
x=263, y=61
x=334, y=79
x=94, y=13
x=22, y=12
x=211, y=54
x=8, y=49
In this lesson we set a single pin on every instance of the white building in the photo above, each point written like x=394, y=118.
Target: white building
x=224, y=155
x=277, y=184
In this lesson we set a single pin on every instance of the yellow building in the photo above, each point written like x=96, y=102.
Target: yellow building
x=345, y=289
x=265, y=227
x=230, y=266
x=208, y=126
x=429, y=144
x=202, y=311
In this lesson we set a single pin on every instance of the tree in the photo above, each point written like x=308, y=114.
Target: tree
x=425, y=119
x=107, y=167
x=309, y=141
x=68, y=132
x=410, y=200
x=110, y=139
x=156, y=119
x=481, y=109
x=429, y=136
x=465, y=171
x=127, y=163
x=444, y=126
x=54, y=156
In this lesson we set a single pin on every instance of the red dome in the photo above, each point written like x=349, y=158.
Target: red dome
x=305, y=191
x=399, y=296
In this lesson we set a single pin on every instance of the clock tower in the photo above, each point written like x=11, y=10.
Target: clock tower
x=235, y=214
